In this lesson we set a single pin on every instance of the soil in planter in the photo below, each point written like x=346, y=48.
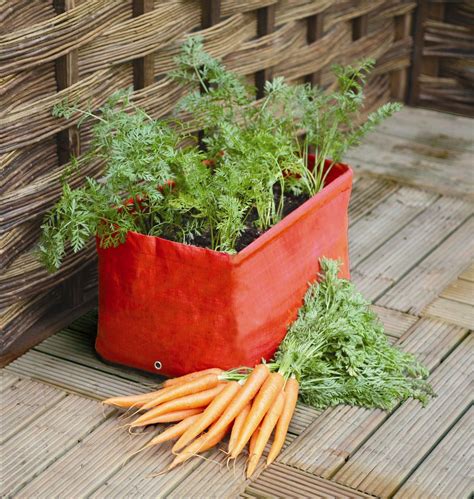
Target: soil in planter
x=251, y=232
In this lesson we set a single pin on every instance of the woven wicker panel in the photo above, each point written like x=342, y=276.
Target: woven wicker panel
x=446, y=75
x=110, y=44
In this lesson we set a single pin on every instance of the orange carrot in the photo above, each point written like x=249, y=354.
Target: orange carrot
x=237, y=427
x=212, y=412
x=189, y=377
x=173, y=417
x=266, y=428
x=200, y=399
x=242, y=398
x=291, y=397
x=194, y=386
x=252, y=441
x=201, y=444
x=132, y=400
x=262, y=403
x=174, y=431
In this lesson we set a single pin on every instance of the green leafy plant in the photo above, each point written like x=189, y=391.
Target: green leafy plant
x=339, y=352
x=141, y=157
x=252, y=158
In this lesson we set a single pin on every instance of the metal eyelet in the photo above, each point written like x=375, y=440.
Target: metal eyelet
x=157, y=365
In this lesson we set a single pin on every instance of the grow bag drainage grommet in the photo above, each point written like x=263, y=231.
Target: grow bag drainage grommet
x=157, y=365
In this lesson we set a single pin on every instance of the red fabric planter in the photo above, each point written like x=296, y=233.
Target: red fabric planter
x=193, y=308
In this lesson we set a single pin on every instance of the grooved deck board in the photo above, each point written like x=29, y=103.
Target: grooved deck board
x=448, y=471
x=402, y=252
x=22, y=403
x=90, y=463
x=339, y=431
x=427, y=280
x=420, y=160
x=400, y=150
x=451, y=311
x=280, y=481
x=43, y=441
x=404, y=440
x=368, y=193
x=6, y=380
x=395, y=323
x=461, y=291
x=468, y=274
x=77, y=347
x=384, y=220
x=432, y=128
x=73, y=377
x=304, y=415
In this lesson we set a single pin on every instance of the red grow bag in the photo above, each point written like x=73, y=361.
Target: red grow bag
x=193, y=308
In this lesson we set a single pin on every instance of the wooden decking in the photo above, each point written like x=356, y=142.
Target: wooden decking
x=411, y=252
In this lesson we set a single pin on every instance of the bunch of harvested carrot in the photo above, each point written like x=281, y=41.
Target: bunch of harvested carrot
x=336, y=349
x=208, y=404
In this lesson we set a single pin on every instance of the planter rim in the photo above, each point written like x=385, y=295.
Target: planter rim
x=273, y=231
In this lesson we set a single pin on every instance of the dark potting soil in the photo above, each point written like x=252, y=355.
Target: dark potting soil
x=251, y=232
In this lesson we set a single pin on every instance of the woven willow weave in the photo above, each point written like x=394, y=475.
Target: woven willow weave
x=87, y=49
x=446, y=79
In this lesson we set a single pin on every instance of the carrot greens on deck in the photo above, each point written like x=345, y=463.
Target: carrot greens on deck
x=338, y=350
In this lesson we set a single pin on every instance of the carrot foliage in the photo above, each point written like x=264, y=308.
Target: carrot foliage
x=340, y=354
x=250, y=159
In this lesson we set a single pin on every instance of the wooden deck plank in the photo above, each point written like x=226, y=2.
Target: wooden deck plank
x=448, y=470
x=412, y=162
x=368, y=193
x=433, y=128
x=403, y=168
x=73, y=377
x=408, y=436
x=395, y=323
x=403, y=252
x=451, y=311
x=460, y=290
x=6, y=380
x=90, y=463
x=468, y=274
x=49, y=436
x=135, y=478
x=455, y=153
x=385, y=220
x=338, y=432
x=22, y=403
x=427, y=280
x=280, y=481
x=78, y=347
